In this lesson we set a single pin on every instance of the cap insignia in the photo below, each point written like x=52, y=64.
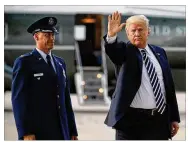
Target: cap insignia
x=51, y=21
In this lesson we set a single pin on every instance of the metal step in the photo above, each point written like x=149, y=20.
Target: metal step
x=91, y=83
x=92, y=91
x=91, y=68
x=92, y=87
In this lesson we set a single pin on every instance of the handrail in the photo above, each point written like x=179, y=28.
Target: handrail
x=7, y=69
x=78, y=60
x=105, y=70
x=104, y=63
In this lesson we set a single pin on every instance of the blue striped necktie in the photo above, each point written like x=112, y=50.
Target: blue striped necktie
x=159, y=96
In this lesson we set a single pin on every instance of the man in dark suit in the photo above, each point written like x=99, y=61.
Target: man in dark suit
x=144, y=105
x=40, y=91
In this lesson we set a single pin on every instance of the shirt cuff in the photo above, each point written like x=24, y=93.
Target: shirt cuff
x=111, y=39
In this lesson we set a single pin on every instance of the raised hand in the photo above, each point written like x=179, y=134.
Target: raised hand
x=114, y=24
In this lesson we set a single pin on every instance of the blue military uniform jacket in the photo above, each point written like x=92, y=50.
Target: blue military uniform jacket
x=128, y=66
x=41, y=99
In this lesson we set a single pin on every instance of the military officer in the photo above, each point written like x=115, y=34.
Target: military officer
x=40, y=91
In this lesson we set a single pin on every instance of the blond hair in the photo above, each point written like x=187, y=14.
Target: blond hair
x=137, y=19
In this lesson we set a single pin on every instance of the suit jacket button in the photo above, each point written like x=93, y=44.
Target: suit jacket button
x=57, y=96
x=59, y=107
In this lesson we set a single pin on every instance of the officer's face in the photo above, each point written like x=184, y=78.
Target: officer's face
x=46, y=40
x=138, y=34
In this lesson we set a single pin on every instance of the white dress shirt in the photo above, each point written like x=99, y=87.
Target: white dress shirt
x=144, y=97
x=44, y=57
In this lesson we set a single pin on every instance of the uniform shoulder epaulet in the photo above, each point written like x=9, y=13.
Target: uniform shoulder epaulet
x=59, y=58
x=26, y=55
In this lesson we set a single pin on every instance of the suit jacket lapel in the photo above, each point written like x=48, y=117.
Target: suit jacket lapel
x=134, y=59
x=140, y=62
x=138, y=57
x=39, y=58
x=59, y=70
x=157, y=55
x=41, y=61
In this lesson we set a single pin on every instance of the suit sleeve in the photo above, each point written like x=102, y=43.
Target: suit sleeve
x=173, y=105
x=70, y=113
x=115, y=50
x=19, y=98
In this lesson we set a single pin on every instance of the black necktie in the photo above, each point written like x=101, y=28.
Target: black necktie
x=159, y=96
x=49, y=62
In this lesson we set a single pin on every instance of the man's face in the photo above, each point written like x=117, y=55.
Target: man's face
x=46, y=40
x=138, y=34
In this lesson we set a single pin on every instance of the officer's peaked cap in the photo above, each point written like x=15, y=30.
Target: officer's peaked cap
x=46, y=24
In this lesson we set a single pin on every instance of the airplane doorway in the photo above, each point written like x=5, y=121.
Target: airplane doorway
x=90, y=47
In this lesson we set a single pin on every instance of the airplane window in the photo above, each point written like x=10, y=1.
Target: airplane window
x=18, y=24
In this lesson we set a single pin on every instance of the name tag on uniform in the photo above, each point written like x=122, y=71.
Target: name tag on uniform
x=38, y=74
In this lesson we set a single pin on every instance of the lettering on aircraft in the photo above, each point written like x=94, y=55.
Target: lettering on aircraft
x=165, y=30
